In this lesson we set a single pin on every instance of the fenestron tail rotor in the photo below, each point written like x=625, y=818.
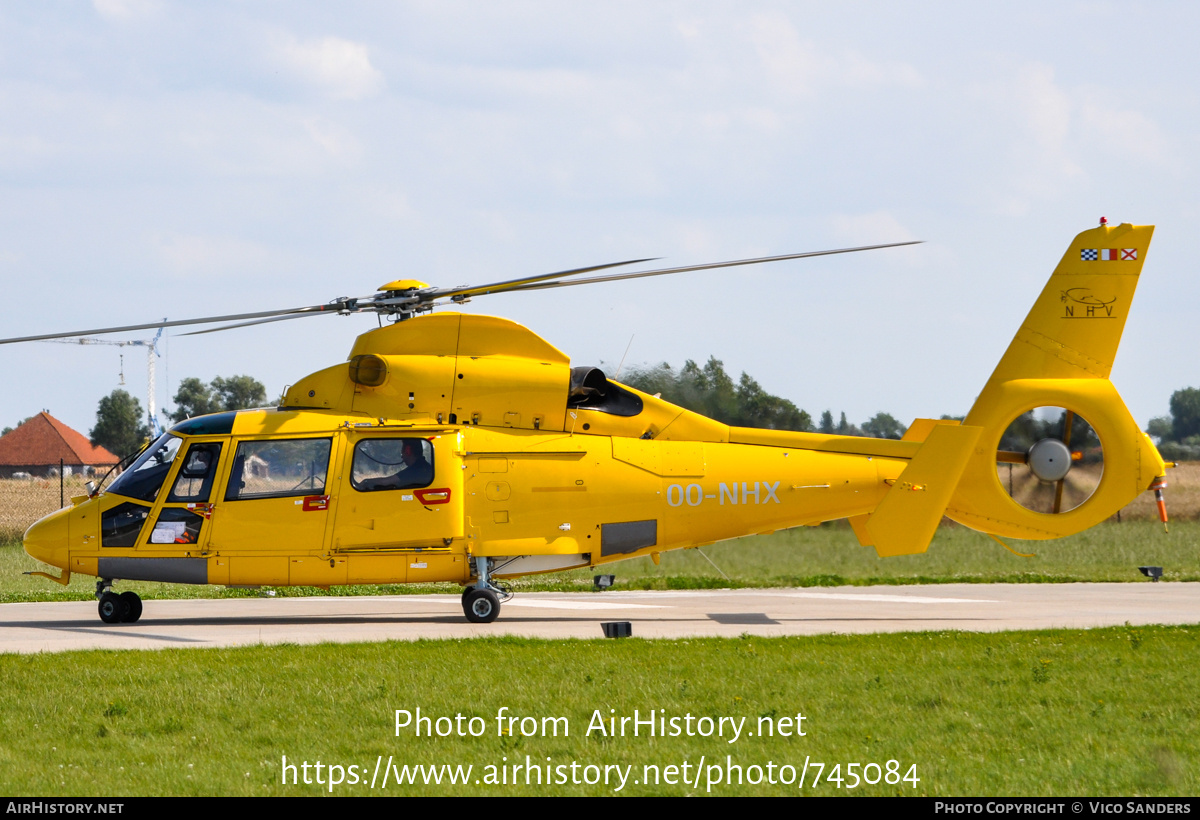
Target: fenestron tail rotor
x=1050, y=460
x=404, y=299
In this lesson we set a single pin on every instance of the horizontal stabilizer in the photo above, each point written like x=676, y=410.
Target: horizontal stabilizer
x=906, y=519
x=858, y=523
x=920, y=429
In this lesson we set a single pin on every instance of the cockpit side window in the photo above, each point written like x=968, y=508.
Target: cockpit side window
x=195, y=479
x=279, y=468
x=146, y=475
x=392, y=464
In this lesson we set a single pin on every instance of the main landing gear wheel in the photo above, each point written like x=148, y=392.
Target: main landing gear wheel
x=133, y=605
x=125, y=608
x=113, y=610
x=481, y=606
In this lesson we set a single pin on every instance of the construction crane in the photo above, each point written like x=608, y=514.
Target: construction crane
x=152, y=351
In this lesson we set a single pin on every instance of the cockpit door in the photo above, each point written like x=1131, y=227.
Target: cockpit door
x=275, y=498
x=399, y=491
x=183, y=517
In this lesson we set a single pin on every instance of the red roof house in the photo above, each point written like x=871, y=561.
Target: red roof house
x=37, y=446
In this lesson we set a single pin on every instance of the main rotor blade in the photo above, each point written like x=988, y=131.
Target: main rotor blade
x=255, y=322
x=616, y=277
x=314, y=309
x=424, y=299
x=513, y=284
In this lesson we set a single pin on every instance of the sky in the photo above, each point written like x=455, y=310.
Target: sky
x=168, y=159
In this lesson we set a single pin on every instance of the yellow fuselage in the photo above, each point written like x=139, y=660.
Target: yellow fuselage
x=536, y=501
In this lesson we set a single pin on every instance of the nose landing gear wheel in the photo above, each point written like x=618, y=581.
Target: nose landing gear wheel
x=481, y=606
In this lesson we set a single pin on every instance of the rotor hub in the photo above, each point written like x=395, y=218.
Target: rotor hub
x=1049, y=459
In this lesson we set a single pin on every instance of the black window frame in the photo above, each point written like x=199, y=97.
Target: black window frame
x=235, y=485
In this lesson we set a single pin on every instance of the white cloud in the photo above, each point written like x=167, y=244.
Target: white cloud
x=334, y=139
x=386, y=203
x=1044, y=106
x=124, y=9
x=1059, y=136
x=799, y=67
x=856, y=70
x=793, y=64
x=340, y=68
x=1035, y=124
x=1126, y=132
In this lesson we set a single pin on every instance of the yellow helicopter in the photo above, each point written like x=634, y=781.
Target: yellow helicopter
x=465, y=448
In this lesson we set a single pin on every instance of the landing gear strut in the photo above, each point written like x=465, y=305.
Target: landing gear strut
x=481, y=603
x=125, y=608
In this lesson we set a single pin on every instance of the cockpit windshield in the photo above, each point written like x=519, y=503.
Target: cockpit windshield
x=146, y=475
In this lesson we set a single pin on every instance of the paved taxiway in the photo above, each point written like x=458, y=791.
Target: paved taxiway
x=718, y=613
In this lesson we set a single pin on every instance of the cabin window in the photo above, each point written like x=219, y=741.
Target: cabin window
x=277, y=469
x=392, y=464
x=176, y=525
x=196, y=474
x=146, y=475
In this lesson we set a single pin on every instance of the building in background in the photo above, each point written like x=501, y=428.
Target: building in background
x=40, y=445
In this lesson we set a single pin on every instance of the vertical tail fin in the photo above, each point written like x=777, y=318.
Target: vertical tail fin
x=1061, y=357
x=1075, y=326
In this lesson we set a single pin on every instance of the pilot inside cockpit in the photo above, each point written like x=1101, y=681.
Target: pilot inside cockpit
x=376, y=463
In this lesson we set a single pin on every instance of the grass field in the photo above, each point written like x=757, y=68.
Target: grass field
x=1101, y=712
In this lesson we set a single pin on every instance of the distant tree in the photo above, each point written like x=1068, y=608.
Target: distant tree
x=844, y=428
x=1027, y=429
x=1022, y=433
x=195, y=398
x=1083, y=436
x=758, y=408
x=8, y=430
x=239, y=392
x=1185, y=413
x=657, y=380
x=713, y=388
x=826, y=422
x=710, y=391
x=119, y=428
x=1161, y=428
x=882, y=425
